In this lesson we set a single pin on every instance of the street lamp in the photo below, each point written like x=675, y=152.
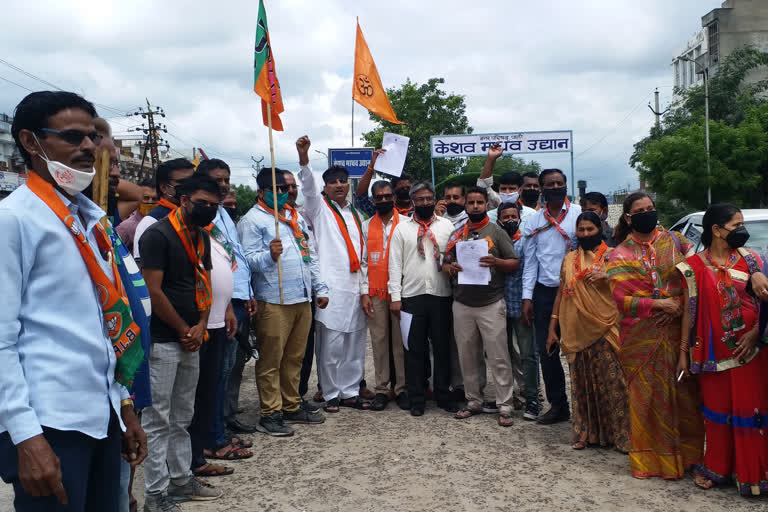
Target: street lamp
x=325, y=155
x=705, y=72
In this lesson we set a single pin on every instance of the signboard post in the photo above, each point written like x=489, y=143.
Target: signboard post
x=513, y=143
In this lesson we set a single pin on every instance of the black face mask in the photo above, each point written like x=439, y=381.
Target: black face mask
x=530, y=195
x=555, y=194
x=737, y=237
x=510, y=227
x=424, y=212
x=201, y=216
x=385, y=207
x=476, y=217
x=644, y=222
x=403, y=194
x=589, y=243
x=454, y=209
x=232, y=213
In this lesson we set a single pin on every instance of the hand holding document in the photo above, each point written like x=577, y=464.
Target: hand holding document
x=393, y=160
x=468, y=254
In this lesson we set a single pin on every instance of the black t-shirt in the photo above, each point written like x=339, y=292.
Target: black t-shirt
x=160, y=248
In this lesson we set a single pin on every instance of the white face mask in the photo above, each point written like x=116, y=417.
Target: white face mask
x=509, y=198
x=69, y=179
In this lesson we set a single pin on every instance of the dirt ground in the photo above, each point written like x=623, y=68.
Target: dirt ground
x=389, y=461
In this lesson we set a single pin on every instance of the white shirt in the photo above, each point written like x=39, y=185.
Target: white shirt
x=544, y=252
x=222, y=284
x=364, y=288
x=140, y=229
x=343, y=312
x=410, y=274
x=494, y=200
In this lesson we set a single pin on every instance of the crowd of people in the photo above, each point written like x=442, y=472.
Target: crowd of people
x=127, y=331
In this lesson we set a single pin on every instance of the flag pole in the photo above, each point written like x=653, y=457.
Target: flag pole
x=353, y=117
x=274, y=197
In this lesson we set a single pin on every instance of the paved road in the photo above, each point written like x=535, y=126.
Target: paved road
x=389, y=461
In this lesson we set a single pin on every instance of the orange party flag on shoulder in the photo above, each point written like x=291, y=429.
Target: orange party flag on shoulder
x=366, y=87
x=264, y=72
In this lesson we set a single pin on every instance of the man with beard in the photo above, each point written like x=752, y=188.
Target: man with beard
x=549, y=234
x=339, y=328
x=419, y=288
x=168, y=176
x=176, y=257
x=386, y=337
x=479, y=311
x=64, y=387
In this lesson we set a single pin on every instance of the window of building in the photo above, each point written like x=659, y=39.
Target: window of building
x=713, y=34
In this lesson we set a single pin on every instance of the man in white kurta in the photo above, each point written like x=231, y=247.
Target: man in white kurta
x=340, y=328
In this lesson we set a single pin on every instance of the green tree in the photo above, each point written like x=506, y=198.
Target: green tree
x=471, y=171
x=427, y=110
x=246, y=198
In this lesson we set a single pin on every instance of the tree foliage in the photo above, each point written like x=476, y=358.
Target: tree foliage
x=427, y=110
x=672, y=158
x=471, y=171
x=246, y=198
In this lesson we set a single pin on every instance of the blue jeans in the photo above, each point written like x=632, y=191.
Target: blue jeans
x=228, y=363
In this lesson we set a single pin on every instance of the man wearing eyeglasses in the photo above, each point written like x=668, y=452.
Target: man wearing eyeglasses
x=282, y=321
x=63, y=390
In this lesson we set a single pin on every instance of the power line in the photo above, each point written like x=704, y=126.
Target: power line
x=613, y=130
x=14, y=83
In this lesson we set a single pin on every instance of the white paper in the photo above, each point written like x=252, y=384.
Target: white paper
x=468, y=256
x=405, y=326
x=393, y=160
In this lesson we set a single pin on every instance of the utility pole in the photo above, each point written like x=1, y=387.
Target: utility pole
x=658, y=113
x=256, y=166
x=153, y=140
x=704, y=71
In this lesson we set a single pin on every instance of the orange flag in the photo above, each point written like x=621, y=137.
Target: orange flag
x=265, y=82
x=366, y=86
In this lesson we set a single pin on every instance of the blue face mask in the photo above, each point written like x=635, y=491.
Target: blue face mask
x=282, y=199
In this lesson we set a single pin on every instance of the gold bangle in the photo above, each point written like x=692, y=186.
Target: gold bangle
x=125, y=402
x=555, y=317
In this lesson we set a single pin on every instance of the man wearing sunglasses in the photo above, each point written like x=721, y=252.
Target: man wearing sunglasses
x=282, y=321
x=168, y=177
x=64, y=391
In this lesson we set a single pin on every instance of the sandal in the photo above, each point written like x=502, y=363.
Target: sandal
x=231, y=452
x=702, y=481
x=505, y=419
x=356, y=403
x=332, y=406
x=579, y=445
x=212, y=470
x=465, y=412
x=242, y=443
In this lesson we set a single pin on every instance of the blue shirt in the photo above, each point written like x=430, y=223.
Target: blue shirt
x=300, y=278
x=243, y=273
x=57, y=363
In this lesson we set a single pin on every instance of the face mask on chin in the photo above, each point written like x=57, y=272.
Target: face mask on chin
x=71, y=180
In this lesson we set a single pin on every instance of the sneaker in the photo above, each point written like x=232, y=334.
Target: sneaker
x=311, y=409
x=160, y=503
x=531, y=411
x=273, y=425
x=490, y=407
x=194, y=490
x=303, y=416
x=555, y=415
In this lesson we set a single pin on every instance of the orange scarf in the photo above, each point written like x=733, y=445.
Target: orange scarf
x=378, y=266
x=463, y=232
x=354, y=260
x=301, y=237
x=579, y=273
x=203, y=295
x=167, y=204
x=115, y=308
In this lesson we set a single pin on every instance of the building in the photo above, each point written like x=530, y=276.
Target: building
x=735, y=24
x=11, y=164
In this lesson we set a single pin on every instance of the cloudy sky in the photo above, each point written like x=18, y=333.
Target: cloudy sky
x=589, y=66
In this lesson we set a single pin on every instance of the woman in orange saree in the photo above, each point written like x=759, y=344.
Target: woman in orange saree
x=666, y=424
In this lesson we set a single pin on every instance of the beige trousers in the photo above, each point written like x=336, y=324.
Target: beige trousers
x=382, y=323
x=478, y=330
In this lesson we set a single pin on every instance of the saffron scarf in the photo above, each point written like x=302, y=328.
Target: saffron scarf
x=302, y=239
x=354, y=260
x=203, y=296
x=579, y=272
x=116, y=310
x=425, y=231
x=167, y=204
x=731, y=316
x=378, y=257
x=552, y=222
x=463, y=232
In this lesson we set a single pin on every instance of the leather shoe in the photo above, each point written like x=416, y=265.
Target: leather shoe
x=417, y=411
x=449, y=406
x=403, y=402
x=241, y=428
x=554, y=415
x=379, y=402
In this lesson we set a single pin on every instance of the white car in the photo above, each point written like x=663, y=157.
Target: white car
x=756, y=222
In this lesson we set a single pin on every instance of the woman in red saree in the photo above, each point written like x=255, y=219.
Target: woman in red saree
x=666, y=426
x=724, y=348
